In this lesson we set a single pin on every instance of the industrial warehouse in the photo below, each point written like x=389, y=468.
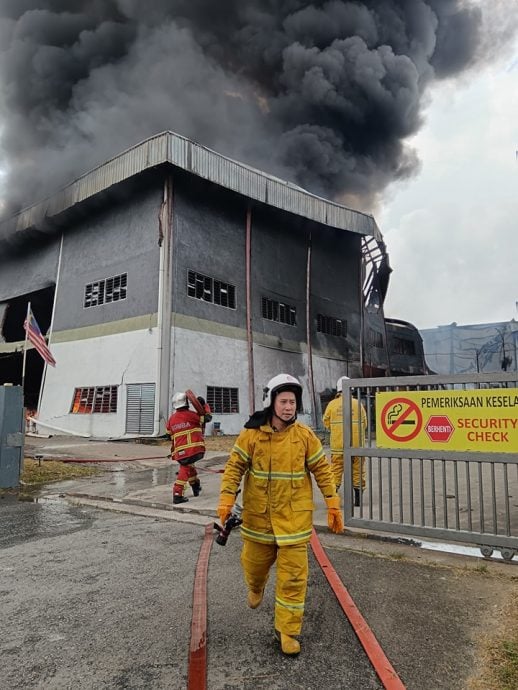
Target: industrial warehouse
x=173, y=267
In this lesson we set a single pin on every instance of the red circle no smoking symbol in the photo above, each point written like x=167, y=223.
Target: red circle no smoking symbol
x=401, y=419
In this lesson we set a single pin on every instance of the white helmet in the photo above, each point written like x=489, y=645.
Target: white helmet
x=282, y=382
x=179, y=400
x=340, y=382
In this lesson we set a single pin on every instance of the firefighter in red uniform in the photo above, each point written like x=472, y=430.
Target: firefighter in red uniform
x=185, y=427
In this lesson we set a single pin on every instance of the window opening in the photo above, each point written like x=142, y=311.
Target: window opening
x=211, y=290
x=106, y=290
x=278, y=311
x=402, y=346
x=375, y=338
x=223, y=400
x=98, y=399
x=331, y=325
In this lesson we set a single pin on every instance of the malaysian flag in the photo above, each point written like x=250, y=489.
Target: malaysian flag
x=35, y=337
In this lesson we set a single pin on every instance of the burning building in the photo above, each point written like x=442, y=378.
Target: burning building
x=172, y=267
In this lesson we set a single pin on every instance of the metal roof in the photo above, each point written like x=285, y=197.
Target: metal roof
x=172, y=148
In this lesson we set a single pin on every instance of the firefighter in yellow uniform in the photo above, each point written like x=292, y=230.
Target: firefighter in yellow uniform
x=276, y=455
x=333, y=420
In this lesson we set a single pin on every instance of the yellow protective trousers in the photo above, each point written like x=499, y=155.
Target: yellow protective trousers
x=337, y=468
x=291, y=583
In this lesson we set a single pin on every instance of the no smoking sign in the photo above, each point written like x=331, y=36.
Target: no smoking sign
x=401, y=419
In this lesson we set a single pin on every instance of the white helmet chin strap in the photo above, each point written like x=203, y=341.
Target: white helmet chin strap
x=283, y=421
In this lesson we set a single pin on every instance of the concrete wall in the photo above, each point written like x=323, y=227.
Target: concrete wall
x=335, y=288
x=31, y=268
x=122, y=238
x=209, y=238
x=111, y=360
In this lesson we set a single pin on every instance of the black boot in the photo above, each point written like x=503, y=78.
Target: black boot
x=179, y=499
x=357, y=497
x=196, y=488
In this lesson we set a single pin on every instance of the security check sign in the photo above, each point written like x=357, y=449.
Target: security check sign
x=470, y=420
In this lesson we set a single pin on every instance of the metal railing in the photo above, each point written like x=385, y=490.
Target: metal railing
x=467, y=497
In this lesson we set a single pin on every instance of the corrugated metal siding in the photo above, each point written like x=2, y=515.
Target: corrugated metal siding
x=140, y=408
x=227, y=173
x=188, y=155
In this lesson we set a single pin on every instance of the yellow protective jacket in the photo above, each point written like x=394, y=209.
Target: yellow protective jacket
x=277, y=488
x=333, y=420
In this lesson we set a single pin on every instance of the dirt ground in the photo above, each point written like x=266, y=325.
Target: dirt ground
x=220, y=443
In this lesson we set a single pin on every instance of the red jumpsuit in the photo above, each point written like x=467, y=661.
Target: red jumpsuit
x=187, y=446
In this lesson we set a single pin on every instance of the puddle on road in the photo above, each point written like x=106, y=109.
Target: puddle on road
x=45, y=512
x=116, y=482
x=34, y=517
x=128, y=481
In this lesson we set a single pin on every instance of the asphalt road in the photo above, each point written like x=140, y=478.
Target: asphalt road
x=106, y=603
x=93, y=599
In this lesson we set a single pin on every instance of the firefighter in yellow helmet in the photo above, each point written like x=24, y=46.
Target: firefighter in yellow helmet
x=333, y=420
x=276, y=455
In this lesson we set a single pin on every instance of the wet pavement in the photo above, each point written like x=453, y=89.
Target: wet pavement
x=139, y=477
x=37, y=519
x=101, y=598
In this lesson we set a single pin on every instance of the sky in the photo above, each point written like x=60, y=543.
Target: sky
x=452, y=230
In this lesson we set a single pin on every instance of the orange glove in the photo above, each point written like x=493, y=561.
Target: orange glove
x=335, y=519
x=226, y=503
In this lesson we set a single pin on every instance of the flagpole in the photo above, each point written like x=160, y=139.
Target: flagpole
x=25, y=344
x=49, y=334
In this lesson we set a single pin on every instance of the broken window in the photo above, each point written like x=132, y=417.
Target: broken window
x=211, y=290
x=375, y=338
x=402, y=346
x=223, y=400
x=331, y=325
x=94, y=399
x=106, y=290
x=278, y=311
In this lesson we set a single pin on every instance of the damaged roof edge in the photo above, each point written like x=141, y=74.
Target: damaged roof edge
x=168, y=147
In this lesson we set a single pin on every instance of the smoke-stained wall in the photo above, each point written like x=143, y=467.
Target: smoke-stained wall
x=335, y=290
x=208, y=237
x=278, y=272
x=30, y=268
x=122, y=237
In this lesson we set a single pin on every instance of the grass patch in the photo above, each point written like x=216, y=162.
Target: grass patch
x=397, y=556
x=508, y=667
x=223, y=443
x=498, y=666
x=220, y=443
x=482, y=568
x=36, y=475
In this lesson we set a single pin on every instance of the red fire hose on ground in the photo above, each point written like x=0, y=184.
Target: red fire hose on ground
x=151, y=457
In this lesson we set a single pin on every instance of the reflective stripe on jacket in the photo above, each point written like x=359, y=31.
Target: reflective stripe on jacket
x=333, y=420
x=278, y=491
x=184, y=427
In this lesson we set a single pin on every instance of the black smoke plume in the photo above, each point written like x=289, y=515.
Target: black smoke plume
x=322, y=93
